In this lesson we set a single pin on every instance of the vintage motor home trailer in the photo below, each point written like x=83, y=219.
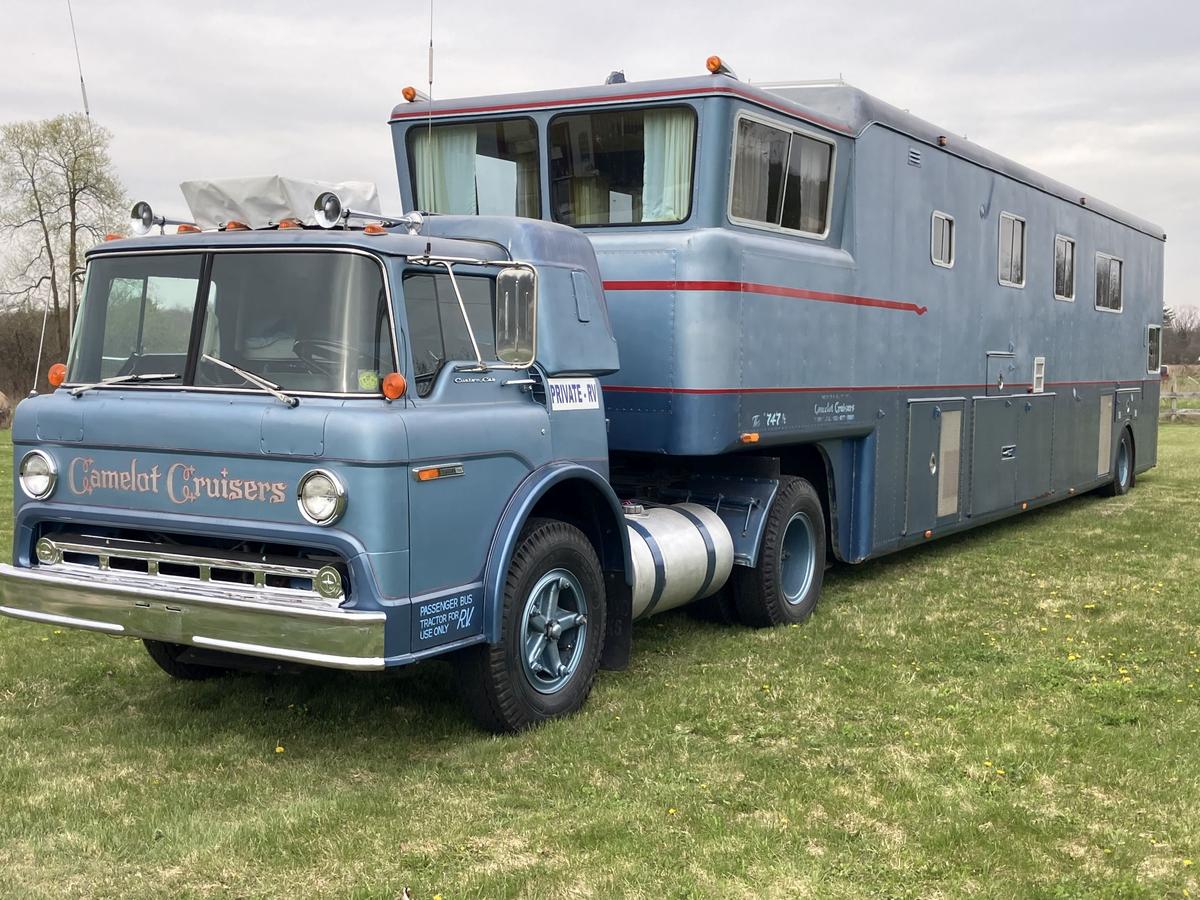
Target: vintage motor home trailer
x=648, y=343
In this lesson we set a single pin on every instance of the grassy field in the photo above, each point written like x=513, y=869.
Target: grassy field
x=1011, y=712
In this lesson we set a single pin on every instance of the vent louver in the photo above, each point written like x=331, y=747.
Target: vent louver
x=914, y=156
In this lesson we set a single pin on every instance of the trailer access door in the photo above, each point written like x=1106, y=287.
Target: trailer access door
x=934, y=451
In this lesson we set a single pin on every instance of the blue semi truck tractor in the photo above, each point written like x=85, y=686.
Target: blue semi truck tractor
x=648, y=344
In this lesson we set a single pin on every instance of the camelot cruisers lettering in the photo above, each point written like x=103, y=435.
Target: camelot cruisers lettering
x=181, y=482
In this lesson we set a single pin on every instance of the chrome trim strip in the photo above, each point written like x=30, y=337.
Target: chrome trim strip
x=316, y=659
x=69, y=621
x=245, y=623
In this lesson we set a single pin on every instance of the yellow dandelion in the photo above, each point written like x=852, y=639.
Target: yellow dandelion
x=999, y=771
x=672, y=811
x=1187, y=862
x=988, y=763
x=279, y=748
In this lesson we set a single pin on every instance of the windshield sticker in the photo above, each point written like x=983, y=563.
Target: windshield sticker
x=574, y=393
x=368, y=380
x=181, y=482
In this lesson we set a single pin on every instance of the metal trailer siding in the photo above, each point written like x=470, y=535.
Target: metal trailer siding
x=725, y=328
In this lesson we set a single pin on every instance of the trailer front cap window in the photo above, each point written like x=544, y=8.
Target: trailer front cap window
x=38, y=475
x=321, y=497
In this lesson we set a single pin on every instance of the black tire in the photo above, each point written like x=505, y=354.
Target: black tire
x=718, y=608
x=1122, y=467
x=502, y=691
x=762, y=594
x=167, y=657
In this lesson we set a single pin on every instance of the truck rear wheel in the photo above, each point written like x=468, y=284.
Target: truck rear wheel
x=552, y=633
x=1122, y=467
x=783, y=588
x=167, y=657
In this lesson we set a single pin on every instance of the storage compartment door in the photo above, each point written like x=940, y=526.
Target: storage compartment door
x=934, y=445
x=1035, y=446
x=993, y=455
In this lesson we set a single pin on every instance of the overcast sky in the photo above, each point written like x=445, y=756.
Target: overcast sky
x=1101, y=94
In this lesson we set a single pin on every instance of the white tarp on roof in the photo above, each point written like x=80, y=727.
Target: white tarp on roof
x=262, y=200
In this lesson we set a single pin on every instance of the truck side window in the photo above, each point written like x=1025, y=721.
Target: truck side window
x=437, y=333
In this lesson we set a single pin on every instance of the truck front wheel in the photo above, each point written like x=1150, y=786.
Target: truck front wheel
x=783, y=588
x=552, y=632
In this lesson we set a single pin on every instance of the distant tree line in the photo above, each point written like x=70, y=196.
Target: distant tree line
x=1181, y=336
x=59, y=195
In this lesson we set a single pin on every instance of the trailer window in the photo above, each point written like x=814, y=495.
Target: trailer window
x=1154, y=347
x=482, y=168
x=1109, y=275
x=1012, y=250
x=1064, y=268
x=436, y=331
x=942, y=240
x=624, y=167
x=780, y=178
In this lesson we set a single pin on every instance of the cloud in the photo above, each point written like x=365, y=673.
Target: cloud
x=1100, y=95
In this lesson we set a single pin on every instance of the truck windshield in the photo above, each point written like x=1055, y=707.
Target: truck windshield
x=313, y=322
x=482, y=168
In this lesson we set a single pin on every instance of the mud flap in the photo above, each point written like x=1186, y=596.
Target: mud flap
x=618, y=634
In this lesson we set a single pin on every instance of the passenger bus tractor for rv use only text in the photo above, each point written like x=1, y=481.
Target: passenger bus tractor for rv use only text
x=644, y=345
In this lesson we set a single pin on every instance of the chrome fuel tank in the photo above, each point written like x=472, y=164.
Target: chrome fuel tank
x=680, y=553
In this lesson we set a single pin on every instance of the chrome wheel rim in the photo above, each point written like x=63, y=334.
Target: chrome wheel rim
x=797, y=558
x=554, y=631
x=1123, y=463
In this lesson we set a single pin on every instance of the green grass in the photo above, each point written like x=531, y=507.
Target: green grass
x=1011, y=712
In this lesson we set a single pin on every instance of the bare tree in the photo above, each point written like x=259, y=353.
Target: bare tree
x=58, y=196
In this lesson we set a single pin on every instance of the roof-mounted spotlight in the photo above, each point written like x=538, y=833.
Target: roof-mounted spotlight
x=717, y=66
x=412, y=95
x=142, y=219
x=329, y=212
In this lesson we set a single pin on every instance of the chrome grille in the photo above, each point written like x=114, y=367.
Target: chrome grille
x=267, y=576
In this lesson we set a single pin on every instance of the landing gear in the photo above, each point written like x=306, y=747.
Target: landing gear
x=783, y=588
x=552, y=632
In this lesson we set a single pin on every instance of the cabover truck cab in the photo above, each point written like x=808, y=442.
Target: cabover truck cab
x=355, y=448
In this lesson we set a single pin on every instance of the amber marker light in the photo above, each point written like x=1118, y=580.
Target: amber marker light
x=113, y=236
x=292, y=222
x=714, y=64
x=235, y=225
x=394, y=386
x=374, y=228
x=750, y=437
x=57, y=375
x=409, y=93
x=187, y=228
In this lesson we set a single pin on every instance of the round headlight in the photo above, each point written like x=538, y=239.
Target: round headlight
x=38, y=475
x=321, y=497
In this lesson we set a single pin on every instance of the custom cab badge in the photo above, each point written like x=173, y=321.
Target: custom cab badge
x=182, y=482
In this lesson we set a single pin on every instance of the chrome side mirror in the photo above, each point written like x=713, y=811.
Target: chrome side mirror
x=516, y=315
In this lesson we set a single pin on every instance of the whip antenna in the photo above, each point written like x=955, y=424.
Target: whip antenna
x=79, y=65
x=429, y=117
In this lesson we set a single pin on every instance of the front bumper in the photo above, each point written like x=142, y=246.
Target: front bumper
x=226, y=619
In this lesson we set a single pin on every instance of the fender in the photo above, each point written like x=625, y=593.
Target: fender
x=504, y=543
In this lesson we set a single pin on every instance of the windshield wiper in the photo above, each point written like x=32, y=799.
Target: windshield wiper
x=269, y=386
x=122, y=379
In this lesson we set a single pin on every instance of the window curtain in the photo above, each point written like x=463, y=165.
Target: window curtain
x=752, y=172
x=814, y=186
x=589, y=200
x=527, y=186
x=446, y=180
x=668, y=136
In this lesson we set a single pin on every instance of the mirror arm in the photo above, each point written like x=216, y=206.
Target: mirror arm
x=462, y=307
